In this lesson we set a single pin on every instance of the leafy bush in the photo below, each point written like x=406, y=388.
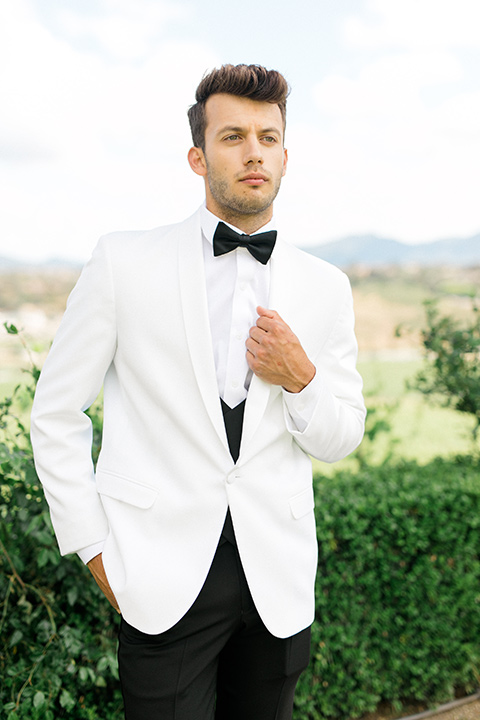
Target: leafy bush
x=57, y=631
x=398, y=588
x=398, y=593
x=452, y=374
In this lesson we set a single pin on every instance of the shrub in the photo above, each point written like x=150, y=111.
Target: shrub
x=452, y=373
x=398, y=591
x=57, y=631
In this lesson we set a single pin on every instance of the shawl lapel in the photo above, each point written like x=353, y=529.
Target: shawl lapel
x=281, y=301
x=197, y=326
x=195, y=314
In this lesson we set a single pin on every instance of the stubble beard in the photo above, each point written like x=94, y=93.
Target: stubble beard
x=236, y=206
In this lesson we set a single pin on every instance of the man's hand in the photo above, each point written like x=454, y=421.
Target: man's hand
x=275, y=354
x=98, y=571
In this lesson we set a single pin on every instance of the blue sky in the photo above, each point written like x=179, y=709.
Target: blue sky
x=383, y=125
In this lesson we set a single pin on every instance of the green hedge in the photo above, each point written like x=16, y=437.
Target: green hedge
x=398, y=588
x=57, y=631
x=398, y=594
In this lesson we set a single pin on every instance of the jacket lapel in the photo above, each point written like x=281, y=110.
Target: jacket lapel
x=197, y=326
x=195, y=314
x=280, y=300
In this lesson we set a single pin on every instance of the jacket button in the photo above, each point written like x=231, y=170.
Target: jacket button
x=231, y=478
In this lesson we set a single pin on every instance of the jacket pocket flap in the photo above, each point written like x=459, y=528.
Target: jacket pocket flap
x=302, y=504
x=129, y=491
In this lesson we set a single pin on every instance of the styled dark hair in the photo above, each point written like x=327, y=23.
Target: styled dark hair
x=249, y=81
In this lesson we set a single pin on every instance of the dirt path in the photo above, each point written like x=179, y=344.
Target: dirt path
x=469, y=711
x=466, y=712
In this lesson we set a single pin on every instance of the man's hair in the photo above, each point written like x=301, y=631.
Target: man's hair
x=249, y=81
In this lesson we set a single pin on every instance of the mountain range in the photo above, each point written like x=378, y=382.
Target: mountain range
x=11, y=265
x=367, y=250
x=373, y=251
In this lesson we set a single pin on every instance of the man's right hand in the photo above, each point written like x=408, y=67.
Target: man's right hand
x=98, y=571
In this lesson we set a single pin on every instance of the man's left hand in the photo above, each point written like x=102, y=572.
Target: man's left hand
x=275, y=355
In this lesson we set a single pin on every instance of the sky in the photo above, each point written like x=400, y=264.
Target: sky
x=383, y=127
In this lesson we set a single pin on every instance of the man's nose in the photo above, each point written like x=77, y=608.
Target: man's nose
x=253, y=152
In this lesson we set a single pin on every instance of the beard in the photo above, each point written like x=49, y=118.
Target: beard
x=237, y=204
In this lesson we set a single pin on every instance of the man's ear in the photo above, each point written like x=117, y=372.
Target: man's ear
x=196, y=159
x=285, y=161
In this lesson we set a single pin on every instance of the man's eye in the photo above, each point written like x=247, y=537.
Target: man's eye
x=270, y=139
x=232, y=137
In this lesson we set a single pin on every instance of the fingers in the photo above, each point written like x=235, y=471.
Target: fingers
x=265, y=323
x=269, y=328
x=98, y=571
x=257, y=334
x=266, y=312
x=258, y=338
x=252, y=347
x=267, y=318
x=275, y=354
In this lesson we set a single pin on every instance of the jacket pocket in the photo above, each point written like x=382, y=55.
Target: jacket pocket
x=302, y=504
x=126, y=490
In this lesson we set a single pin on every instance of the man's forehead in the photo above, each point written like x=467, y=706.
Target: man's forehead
x=232, y=111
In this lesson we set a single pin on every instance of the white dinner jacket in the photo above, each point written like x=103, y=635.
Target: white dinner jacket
x=137, y=322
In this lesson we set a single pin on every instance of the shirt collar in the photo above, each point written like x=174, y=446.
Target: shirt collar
x=209, y=223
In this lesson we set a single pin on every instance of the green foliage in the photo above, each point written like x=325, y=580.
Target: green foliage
x=398, y=591
x=398, y=588
x=377, y=424
x=57, y=631
x=453, y=355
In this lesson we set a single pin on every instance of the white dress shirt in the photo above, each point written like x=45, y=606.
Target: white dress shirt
x=236, y=284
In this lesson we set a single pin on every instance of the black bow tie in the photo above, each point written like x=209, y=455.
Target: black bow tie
x=260, y=245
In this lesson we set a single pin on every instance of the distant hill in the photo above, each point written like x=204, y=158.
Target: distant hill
x=366, y=250
x=373, y=251
x=11, y=265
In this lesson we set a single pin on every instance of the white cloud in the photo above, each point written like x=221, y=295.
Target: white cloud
x=90, y=145
x=398, y=151
x=94, y=132
x=416, y=24
x=390, y=85
x=399, y=148
x=120, y=28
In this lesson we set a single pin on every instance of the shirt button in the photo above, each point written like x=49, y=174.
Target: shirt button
x=234, y=384
x=238, y=336
x=243, y=286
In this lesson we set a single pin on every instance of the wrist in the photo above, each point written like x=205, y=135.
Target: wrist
x=301, y=381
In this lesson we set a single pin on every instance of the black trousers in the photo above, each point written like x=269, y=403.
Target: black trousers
x=218, y=662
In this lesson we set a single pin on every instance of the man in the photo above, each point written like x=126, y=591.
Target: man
x=224, y=365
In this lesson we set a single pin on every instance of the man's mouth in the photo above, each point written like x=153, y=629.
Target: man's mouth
x=254, y=179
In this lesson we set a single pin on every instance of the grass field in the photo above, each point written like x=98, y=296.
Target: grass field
x=423, y=429
x=419, y=429
x=384, y=300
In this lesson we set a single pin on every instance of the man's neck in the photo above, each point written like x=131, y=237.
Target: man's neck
x=248, y=224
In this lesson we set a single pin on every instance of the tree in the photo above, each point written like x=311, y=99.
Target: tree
x=452, y=351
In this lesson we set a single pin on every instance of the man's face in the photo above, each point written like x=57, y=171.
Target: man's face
x=244, y=159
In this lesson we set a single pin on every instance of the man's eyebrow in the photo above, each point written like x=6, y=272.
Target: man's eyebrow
x=230, y=128
x=238, y=129
x=271, y=130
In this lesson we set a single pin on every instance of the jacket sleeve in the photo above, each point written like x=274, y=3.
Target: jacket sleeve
x=334, y=418
x=70, y=381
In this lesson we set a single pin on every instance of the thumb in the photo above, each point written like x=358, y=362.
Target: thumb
x=265, y=312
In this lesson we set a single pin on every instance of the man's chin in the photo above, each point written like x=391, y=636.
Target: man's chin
x=253, y=204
